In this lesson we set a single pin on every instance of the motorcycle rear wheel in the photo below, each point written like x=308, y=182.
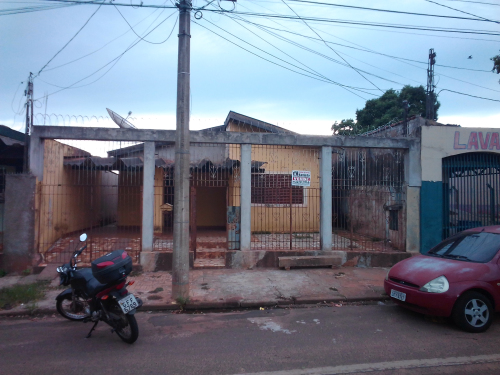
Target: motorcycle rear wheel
x=130, y=332
x=72, y=310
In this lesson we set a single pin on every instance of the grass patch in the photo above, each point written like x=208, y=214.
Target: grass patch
x=17, y=294
x=2, y=273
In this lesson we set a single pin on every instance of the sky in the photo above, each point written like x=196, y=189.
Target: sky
x=302, y=73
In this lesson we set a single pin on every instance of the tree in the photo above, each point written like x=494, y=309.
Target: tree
x=385, y=110
x=496, y=64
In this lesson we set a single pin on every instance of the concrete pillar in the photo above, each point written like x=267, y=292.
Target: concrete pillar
x=148, y=205
x=19, y=222
x=413, y=181
x=326, y=199
x=36, y=152
x=246, y=197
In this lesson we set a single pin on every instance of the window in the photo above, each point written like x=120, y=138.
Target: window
x=393, y=220
x=474, y=247
x=275, y=189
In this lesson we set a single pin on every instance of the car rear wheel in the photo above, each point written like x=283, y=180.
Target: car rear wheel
x=473, y=312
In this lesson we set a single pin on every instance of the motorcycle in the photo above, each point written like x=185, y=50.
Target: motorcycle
x=100, y=293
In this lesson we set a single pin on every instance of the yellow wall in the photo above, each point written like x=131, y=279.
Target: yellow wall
x=130, y=199
x=69, y=199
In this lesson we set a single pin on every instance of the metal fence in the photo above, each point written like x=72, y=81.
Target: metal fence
x=99, y=195
x=285, y=216
x=368, y=199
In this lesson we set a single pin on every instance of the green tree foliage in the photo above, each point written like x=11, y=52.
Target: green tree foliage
x=496, y=64
x=385, y=110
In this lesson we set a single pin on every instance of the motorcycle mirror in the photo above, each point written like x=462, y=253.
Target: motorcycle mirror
x=83, y=237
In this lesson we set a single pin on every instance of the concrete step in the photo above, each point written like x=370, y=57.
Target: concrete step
x=209, y=263
x=310, y=261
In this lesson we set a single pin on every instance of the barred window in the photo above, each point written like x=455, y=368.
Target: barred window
x=275, y=189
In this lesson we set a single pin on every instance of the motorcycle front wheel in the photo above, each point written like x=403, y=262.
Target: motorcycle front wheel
x=130, y=332
x=72, y=309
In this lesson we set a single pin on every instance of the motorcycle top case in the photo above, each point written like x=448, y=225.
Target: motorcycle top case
x=112, y=267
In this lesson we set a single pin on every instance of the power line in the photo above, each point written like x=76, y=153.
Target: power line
x=461, y=11
x=282, y=66
x=474, y=2
x=388, y=10
x=131, y=28
x=69, y=41
x=13, y=11
x=114, y=61
x=314, y=19
x=314, y=31
x=313, y=51
x=473, y=96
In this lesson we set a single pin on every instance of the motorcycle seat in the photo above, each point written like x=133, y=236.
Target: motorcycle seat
x=91, y=284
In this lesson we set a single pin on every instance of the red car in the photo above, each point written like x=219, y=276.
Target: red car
x=460, y=278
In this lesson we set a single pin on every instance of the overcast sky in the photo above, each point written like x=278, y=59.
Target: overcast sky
x=251, y=70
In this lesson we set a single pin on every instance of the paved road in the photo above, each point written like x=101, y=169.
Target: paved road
x=381, y=339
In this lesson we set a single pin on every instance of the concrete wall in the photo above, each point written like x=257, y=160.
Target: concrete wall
x=19, y=222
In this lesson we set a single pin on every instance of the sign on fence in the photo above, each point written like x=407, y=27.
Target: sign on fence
x=301, y=178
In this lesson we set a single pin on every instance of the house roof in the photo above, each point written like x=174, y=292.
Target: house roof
x=239, y=118
x=10, y=136
x=137, y=162
x=231, y=117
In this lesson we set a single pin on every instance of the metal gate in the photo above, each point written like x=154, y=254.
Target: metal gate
x=285, y=216
x=471, y=191
x=368, y=199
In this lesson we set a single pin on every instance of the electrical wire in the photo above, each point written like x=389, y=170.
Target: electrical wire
x=388, y=10
x=111, y=41
x=474, y=2
x=114, y=62
x=315, y=52
x=131, y=28
x=364, y=49
x=13, y=11
x=69, y=41
x=314, y=19
x=282, y=66
x=326, y=44
x=473, y=96
x=461, y=11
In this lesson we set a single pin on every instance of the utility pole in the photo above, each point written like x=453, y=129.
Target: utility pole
x=29, y=122
x=406, y=106
x=429, y=108
x=180, y=261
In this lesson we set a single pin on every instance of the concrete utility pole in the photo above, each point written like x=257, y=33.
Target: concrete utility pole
x=180, y=262
x=429, y=108
x=29, y=122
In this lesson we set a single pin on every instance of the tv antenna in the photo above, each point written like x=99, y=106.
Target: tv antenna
x=120, y=121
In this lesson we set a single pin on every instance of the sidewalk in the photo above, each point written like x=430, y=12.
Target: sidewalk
x=227, y=288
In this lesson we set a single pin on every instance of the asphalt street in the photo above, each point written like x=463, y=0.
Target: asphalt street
x=335, y=339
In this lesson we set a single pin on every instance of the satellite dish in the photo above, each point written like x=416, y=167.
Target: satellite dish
x=119, y=120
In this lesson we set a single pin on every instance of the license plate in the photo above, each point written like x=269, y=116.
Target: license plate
x=128, y=303
x=398, y=295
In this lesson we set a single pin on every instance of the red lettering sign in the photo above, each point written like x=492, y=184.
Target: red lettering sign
x=478, y=141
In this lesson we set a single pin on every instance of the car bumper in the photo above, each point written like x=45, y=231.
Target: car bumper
x=437, y=304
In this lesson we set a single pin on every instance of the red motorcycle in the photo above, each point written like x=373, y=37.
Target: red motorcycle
x=100, y=293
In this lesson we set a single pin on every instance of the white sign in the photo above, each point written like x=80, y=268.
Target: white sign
x=301, y=178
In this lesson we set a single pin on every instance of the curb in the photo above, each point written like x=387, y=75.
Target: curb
x=219, y=305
